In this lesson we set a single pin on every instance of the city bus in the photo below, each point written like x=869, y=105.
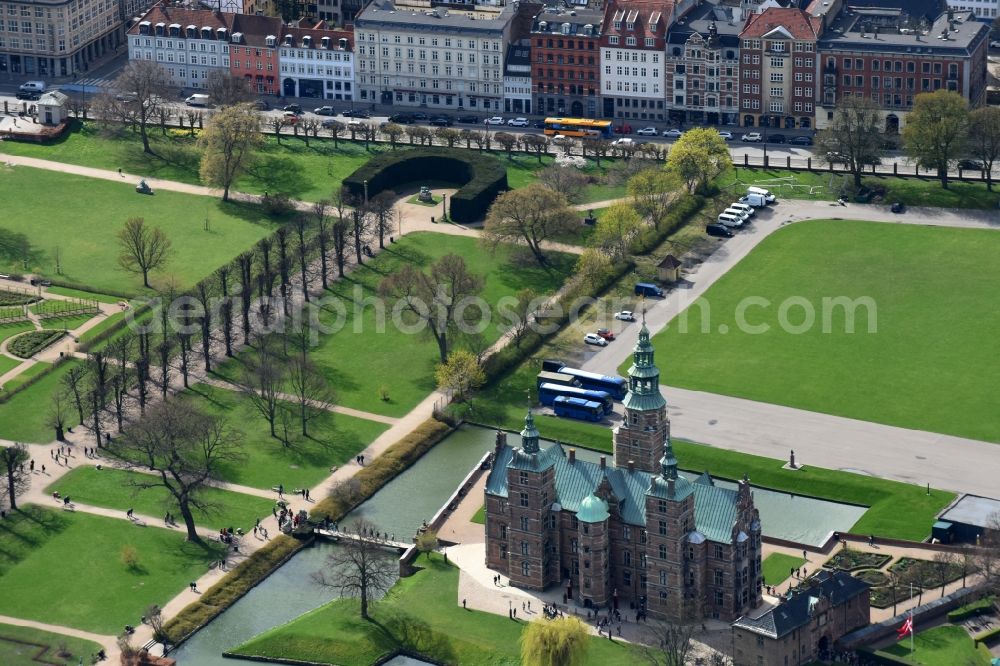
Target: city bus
x=617, y=387
x=578, y=408
x=547, y=393
x=557, y=378
x=595, y=129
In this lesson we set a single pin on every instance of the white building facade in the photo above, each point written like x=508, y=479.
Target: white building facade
x=317, y=64
x=985, y=10
x=188, y=44
x=517, y=79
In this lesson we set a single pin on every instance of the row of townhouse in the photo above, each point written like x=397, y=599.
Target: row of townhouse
x=275, y=59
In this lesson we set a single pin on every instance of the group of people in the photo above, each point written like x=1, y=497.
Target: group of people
x=285, y=515
x=228, y=537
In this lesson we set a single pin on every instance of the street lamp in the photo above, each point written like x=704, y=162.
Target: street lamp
x=444, y=206
x=366, y=192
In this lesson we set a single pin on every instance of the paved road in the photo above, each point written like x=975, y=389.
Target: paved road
x=818, y=439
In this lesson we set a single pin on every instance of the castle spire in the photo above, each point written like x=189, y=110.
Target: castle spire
x=529, y=436
x=668, y=463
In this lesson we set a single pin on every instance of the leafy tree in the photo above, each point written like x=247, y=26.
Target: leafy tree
x=226, y=89
x=560, y=642
x=653, y=192
x=433, y=299
x=393, y=132
x=936, y=130
x=593, y=267
x=507, y=141
x=228, y=143
x=984, y=135
x=418, y=133
x=142, y=87
x=615, y=231
x=529, y=215
x=14, y=465
x=185, y=452
x=699, y=156
x=142, y=248
x=597, y=147
x=427, y=542
x=855, y=134
x=460, y=374
x=447, y=135
x=564, y=179
x=359, y=568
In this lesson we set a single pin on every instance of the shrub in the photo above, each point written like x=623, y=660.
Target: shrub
x=130, y=557
x=28, y=344
x=484, y=177
x=971, y=610
x=987, y=636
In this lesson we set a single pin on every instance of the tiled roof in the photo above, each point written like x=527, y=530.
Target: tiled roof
x=796, y=611
x=200, y=18
x=641, y=14
x=256, y=29
x=316, y=35
x=794, y=21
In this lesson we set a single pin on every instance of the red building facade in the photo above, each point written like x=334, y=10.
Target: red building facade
x=565, y=72
x=253, y=52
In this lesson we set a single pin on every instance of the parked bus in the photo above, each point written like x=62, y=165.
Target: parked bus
x=585, y=127
x=578, y=408
x=557, y=378
x=547, y=393
x=617, y=387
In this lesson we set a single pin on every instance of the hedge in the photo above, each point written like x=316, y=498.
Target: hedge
x=28, y=344
x=986, y=636
x=5, y=395
x=971, y=610
x=484, y=177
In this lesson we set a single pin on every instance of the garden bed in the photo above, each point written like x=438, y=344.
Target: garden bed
x=16, y=298
x=28, y=344
x=849, y=559
x=873, y=577
x=926, y=573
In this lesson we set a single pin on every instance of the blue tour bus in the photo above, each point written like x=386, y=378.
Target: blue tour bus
x=556, y=378
x=547, y=393
x=578, y=408
x=617, y=387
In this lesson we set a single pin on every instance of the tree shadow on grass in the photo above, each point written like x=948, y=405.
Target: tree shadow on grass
x=279, y=174
x=247, y=211
x=28, y=528
x=409, y=633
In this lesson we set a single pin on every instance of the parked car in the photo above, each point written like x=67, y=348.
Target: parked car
x=776, y=138
x=727, y=136
x=752, y=137
x=647, y=131
x=833, y=157
x=560, y=139
x=995, y=44
x=648, y=289
x=718, y=230
x=606, y=334
x=420, y=116
x=972, y=165
x=29, y=95
x=467, y=120
x=898, y=208
x=623, y=141
x=293, y=108
x=746, y=208
x=495, y=120
x=538, y=124
x=325, y=111
x=518, y=122
x=401, y=119
x=673, y=133
x=800, y=141
x=441, y=121
x=262, y=105
x=331, y=122
x=595, y=339
x=289, y=118
x=625, y=315
x=356, y=113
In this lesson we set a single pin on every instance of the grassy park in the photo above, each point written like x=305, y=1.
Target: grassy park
x=26, y=645
x=916, y=363
x=776, y=567
x=113, y=489
x=419, y=614
x=941, y=646
x=86, y=236
x=67, y=568
x=23, y=417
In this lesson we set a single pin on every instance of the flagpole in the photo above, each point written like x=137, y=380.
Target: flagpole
x=911, y=619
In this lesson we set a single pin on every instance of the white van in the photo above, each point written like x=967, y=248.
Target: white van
x=736, y=212
x=730, y=220
x=746, y=208
x=197, y=100
x=33, y=87
x=755, y=200
x=768, y=197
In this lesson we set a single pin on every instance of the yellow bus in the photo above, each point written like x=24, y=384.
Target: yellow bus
x=597, y=129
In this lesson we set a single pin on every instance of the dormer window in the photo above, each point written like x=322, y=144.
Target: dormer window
x=618, y=25
x=630, y=26
x=270, y=40
x=324, y=43
x=288, y=40
x=307, y=41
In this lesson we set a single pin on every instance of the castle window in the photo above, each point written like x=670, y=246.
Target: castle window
x=525, y=548
x=503, y=552
x=718, y=552
x=525, y=569
x=663, y=594
x=760, y=641
x=642, y=560
x=642, y=536
x=524, y=499
x=661, y=506
x=503, y=531
x=524, y=523
x=586, y=564
x=627, y=558
x=552, y=521
x=663, y=551
x=663, y=527
x=663, y=577
x=574, y=546
x=627, y=577
x=719, y=577
x=586, y=528
x=627, y=533
x=524, y=478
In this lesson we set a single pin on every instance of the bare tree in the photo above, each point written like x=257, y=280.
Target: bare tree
x=984, y=139
x=226, y=309
x=228, y=145
x=142, y=248
x=261, y=381
x=565, y=180
x=536, y=144
x=226, y=89
x=944, y=562
x=204, y=319
x=340, y=227
x=58, y=415
x=393, y=132
x=14, y=464
x=446, y=135
x=301, y=225
x=336, y=129
x=359, y=568
x=310, y=126
x=142, y=87
x=508, y=142
x=529, y=215
x=854, y=136
x=312, y=392
x=320, y=212
x=186, y=449
x=381, y=206
x=74, y=381
x=987, y=558
x=360, y=229
x=671, y=645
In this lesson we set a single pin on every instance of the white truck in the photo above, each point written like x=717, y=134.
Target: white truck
x=197, y=100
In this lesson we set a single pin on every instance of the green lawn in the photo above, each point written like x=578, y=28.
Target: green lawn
x=359, y=359
x=87, y=295
x=6, y=365
x=23, y=646
x=16, y=328
x=66, y=568
x=825, y=186
x=480, y=515
x=111, y=488
x=422, y=614
x=777, y=566
x=930, y=365
x=24, y=376
x=22, y=418
x=106, y=322
x=85, y=235
x=334, y=439
x=941, y=646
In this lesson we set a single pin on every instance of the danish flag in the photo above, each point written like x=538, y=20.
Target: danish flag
x=906, y=629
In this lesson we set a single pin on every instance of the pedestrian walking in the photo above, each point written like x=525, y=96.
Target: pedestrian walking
x=194, y=586
x=32, y=465
x=515, y=613
x=463, y=603
x=120, y=172
x=255, y=530
x=43, y=469
x=274, y=511
x=129, y=514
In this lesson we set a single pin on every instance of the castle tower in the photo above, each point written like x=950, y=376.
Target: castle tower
x=645, y=431
x=595, y=572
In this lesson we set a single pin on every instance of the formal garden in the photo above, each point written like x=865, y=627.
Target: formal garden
x=26, y=645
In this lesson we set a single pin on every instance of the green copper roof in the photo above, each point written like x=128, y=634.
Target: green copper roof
x=592, y=510
x=529, y=436
x=644, y=402
x=644, y=376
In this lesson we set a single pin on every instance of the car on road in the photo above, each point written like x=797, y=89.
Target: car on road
x=625, y=315
x=420, y=116
x=647, y=131
x=29, y=95
x=833, y=157
x=898, y=208
x=325, y=111
x=538, y=124
x=495, y=120
x=718, y=230
x=623, y=141
x=331, y=122
x=289, y=118
x=726, y=136
x=356, y=113
x=752, y=137
x=518, y=122
x=972, y=165
x=595, y=339
x=776, y=138
x=467, y=120
x=293, y=108
x=401, y=119
x=560, y=139
x=606, y=334
x=673, y=133
x=441, y=121
x=800, y=141
x=995, y=44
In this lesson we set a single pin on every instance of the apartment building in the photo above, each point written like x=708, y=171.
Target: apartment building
x=566, y=72
x=517, y=78
x=702, y=66
x=317, y=62
x=434, y=57
x=253, y=52
x=188, y=43
x=778, y=69
x=56, y=38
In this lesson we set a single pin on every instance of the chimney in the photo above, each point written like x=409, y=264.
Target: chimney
x=631, y=465
x=501, y=440
x=670, y=487
x=604, y=462
x=572, y=456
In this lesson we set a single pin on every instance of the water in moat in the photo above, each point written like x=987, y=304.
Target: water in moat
x=416, y=495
